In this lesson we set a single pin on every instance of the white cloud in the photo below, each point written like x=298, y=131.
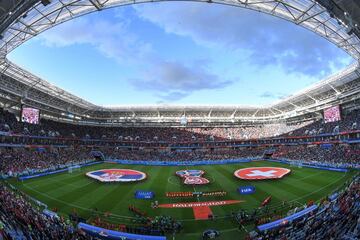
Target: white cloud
x=112, y=39
x=168, y=80
x=173, y=80
x=268, y=40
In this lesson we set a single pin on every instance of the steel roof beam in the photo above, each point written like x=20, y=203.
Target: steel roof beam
x=302, y=12
x=96, y=4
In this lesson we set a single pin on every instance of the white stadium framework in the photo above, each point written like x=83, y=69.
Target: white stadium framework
x=23, y=20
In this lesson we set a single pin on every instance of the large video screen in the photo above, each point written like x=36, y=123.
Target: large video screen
x=30, y=115
x=332, y=114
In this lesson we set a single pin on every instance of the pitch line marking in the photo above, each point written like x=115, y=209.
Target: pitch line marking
x=169, y=181
x=293, y=200
x=242, y=226
x=126, y=217
x=226, y=230
x=312, y=175
x=308, y=194
x=74, y=205
x=64, y=183
x=197, y=196
x=53, y=180
x=183, y=220
x=211, y=178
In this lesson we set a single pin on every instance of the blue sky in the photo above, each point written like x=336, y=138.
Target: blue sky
x=180, y=53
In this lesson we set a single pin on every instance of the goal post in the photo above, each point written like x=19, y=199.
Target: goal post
x=296, y=164
x=75, y=168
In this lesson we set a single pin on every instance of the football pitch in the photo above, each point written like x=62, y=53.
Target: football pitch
x=69, y=192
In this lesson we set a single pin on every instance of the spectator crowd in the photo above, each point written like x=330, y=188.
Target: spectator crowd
x=21, y=220
x=350, y=122
x=9, y=123
x=22, y=161
x=183, y=155
x=335, y=155
x=334, y=219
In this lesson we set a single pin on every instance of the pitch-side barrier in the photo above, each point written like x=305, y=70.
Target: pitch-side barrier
x=310, y=165
x=181, y=163
x=284, y=221
x=103, y=233
x=22, y=178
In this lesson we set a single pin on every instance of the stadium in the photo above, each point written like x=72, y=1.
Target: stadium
x=71, y=168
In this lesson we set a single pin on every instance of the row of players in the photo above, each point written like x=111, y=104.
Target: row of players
x=9, y=123
x=23, y=161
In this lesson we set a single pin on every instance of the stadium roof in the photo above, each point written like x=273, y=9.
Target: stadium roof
x=21, y=20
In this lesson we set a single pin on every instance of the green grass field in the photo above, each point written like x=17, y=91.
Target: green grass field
x=69, y=191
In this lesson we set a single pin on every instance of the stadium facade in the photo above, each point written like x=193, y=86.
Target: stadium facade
x=319, y=160
x=334, y=20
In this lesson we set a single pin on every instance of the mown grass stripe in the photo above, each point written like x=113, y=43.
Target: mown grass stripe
x=68, y=191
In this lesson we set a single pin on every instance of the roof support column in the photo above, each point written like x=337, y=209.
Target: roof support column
x=96, y=4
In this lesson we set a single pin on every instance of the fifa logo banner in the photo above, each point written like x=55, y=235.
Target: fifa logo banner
x=144, y=194
x=246, y=190
x=192, y=177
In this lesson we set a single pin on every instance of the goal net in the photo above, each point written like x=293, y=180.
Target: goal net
x=296, y=164
x=75, y=168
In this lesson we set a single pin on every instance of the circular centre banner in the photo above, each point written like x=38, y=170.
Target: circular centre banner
x=260, y=173
x=192, y=177
x=117, y=175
